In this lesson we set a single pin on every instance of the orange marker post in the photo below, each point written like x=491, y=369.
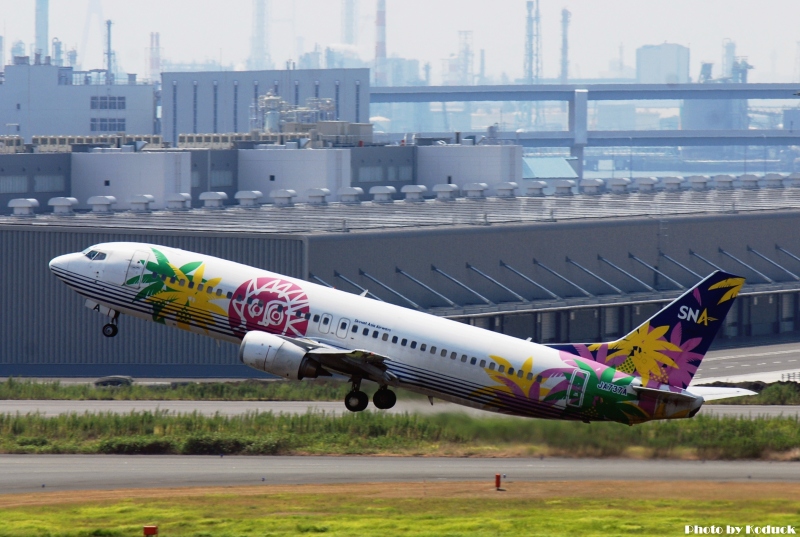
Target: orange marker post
x=150, y=530
x=497, y=481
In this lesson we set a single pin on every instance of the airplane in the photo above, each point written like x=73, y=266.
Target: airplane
x=295, y=330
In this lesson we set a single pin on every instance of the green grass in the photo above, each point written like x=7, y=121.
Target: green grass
x=382, y=433
x=248, y=390
x=280, y=514
x=776, y=393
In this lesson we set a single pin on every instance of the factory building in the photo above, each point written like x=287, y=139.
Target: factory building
x=47, y=100
x=225, y=101
x=666, y=63
x=580, y=268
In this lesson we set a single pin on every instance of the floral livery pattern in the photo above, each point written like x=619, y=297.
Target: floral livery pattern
x=269, y=304
x=190, y=304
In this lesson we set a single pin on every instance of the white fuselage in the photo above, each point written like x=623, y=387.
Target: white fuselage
x=428, y=354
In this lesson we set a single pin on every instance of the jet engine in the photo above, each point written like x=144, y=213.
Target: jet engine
x=272, y=354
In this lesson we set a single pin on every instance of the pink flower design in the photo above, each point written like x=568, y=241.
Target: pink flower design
x=687, y=361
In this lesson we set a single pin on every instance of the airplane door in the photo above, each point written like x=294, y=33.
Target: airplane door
x=341, y=329
x=133, y=277
x=577, y=387
x=325, y=323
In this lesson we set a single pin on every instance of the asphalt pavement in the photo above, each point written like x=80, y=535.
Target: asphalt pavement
x=29, y=473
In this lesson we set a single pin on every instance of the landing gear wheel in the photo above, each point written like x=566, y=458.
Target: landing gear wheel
x=110, y=330
x=356, y=401
x=384, y=399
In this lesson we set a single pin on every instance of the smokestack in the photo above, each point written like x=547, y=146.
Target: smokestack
x=154, y=64
x=349, y=22
x=380, y=44
x=565, y=16
x=42, y=45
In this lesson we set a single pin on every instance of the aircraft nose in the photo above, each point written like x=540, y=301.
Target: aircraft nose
x=61, y=262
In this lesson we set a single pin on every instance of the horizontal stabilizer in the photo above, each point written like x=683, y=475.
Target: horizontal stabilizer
x=710, y=393
x=664, y=395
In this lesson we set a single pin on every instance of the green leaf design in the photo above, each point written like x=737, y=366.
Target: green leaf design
x=161, y=258
x=190, y=267
x=150, y=290
x=133, y=281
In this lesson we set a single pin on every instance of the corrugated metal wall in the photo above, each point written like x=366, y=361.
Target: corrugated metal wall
x=46, y=330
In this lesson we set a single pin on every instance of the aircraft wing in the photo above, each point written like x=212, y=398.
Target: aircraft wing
x=358, y=362
x=710, y=393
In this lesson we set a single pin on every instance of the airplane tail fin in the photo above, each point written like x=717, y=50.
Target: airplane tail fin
x=669, y=346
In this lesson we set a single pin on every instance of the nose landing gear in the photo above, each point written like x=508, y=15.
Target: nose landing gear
x=110, y=329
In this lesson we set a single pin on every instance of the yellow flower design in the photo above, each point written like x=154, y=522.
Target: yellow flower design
x=189, y=305
x=644, y=351
x=735, y=285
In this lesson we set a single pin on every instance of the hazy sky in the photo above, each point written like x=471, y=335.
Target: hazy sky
x=766, y=31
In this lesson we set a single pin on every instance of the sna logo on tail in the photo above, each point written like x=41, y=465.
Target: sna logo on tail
x=695, y=316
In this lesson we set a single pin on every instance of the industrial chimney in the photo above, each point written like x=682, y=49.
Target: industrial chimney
x=380, y=44
x=42, y=45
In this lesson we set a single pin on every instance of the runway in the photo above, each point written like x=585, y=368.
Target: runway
x=29, y=473
x=765, y=363
x=236, y=408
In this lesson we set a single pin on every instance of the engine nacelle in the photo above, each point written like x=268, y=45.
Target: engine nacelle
x=269, y=353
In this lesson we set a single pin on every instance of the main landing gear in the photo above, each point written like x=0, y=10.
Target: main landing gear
x=110, y=329
x=356, y=400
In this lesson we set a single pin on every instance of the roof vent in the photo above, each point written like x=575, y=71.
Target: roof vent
x=475, y=190
x=23, y=206
x=592, y=186
x=749, y=181
x=535, y=188
x=774, y=180
x=283, y=197
x=619, y=185
x=672, y=184
x=101, y=204
x=646, y=184
x=699, y=182
x=383, y=194
x=564, y=187
x=723, y=182
x=414, y=192
x=179, y=201
x=445, y=192
x=506, y=190
x=318, y=196
x=62, y=206
x=350, y=194
x=248, y=198
x=213, y=200
x=141, y=203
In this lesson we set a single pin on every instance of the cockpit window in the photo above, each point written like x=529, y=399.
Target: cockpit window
x=94, y=255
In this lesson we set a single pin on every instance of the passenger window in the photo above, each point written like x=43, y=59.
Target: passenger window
x=422, y=347
x=280, y=309
x=228, y=296
x=539, y=379
x=375, y=334
x=510, y=370
x=385, y=336
x=182, y=283
x=239, y=298
x=501, y=368
x=444, y=353
x=491, y=366
x=520, y=373
x=210, y=290
x=394, y=339
x=530, y=376
x=464, y=358
x=433, y=350
x=325, y=321
x=472, y=362
x=483, y=363
x=316, y=318
x=355, y=329
x=403, y=343
x=453, y=355
x=308, y=316
x=343, y=326
x=365, y=332
x=413, y=344
x=172, y=279
x=191, y=285
x=200, y=287
x=250, y=300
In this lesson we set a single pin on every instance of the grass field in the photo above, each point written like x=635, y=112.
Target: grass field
x=776, y=393
x=409, y=509
x=380, y=433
